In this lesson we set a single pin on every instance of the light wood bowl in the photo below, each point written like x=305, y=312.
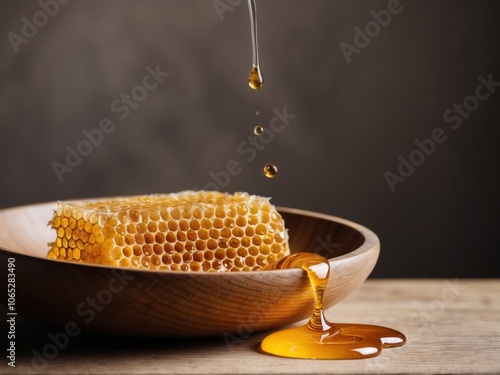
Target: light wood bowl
x=178, y=304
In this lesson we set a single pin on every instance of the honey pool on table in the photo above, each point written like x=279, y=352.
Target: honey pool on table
x=320, y=339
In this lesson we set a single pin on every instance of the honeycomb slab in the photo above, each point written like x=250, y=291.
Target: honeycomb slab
x=186, y=231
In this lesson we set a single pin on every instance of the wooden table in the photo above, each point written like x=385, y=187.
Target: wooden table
x=452, y=326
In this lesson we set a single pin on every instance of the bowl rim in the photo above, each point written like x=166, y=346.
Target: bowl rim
x=371, y=243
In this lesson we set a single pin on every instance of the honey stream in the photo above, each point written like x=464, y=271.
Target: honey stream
x=255, y=79
x=320, y=339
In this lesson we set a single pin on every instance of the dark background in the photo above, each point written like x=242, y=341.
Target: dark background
x=353, y=119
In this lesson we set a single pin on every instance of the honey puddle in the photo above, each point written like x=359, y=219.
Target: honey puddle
x=320, y=339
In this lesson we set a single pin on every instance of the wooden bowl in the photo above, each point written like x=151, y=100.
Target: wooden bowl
x=146, y=303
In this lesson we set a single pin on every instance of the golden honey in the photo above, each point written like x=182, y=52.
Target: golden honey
x=258, y=130
x=255, y=79
x=270, y=170
x=320, y=339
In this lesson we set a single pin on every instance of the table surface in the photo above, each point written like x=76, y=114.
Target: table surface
x=452, y=326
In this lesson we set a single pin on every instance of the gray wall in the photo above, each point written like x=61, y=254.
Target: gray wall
x=352, y=120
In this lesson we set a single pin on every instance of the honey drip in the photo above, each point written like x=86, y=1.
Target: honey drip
x=320, y=339
x=270, y=170
x=255, y=79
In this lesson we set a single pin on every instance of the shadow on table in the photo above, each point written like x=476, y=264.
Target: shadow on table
x=38, y=344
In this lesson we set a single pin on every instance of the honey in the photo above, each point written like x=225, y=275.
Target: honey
x=258, y=130
x=320, y=339
x=255, y=79
x=270, y=170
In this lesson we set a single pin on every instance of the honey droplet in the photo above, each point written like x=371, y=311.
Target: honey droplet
x=270, y=170
x=257, y=113
x=255, y=79
x=319, y=338
x=258, y=130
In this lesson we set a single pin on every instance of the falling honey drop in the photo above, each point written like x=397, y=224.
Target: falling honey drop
x=270, y=170
x=258, y=130
x=255, y=79
x=320, y=339
x=257, y=113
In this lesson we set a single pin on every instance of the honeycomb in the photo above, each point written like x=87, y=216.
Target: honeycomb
x=186, y=231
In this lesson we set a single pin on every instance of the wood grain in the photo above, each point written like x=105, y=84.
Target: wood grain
x=147, y=303
x=452, y=326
